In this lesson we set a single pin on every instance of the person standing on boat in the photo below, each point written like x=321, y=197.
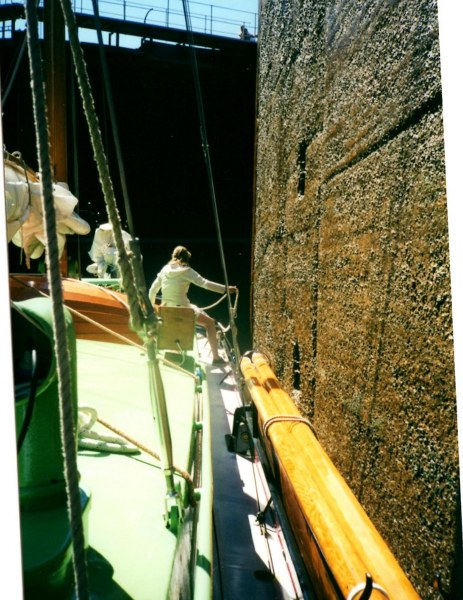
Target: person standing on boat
x=174, y=280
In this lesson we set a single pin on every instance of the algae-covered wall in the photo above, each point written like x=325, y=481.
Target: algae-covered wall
x=351, y=294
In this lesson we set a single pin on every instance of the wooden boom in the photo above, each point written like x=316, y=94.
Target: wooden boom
x=341, y=549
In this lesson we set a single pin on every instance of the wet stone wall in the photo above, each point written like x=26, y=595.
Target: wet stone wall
x=351, y=293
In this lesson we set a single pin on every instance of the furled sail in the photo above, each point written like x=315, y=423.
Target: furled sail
x=103, y=252
x=25, y=223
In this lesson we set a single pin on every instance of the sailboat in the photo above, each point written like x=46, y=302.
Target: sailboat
x=114, y=401
x=140, y=463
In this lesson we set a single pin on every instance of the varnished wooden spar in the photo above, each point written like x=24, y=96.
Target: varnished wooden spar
x=102, y=306
x=337, y=541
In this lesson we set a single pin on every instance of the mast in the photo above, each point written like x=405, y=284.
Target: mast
x=55, y=85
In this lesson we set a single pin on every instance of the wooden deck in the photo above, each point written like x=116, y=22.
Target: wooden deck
x=251, y=560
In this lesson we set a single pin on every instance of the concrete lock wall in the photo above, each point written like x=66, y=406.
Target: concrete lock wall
x=351, y=294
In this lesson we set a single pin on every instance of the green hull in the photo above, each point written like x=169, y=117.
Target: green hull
x=130, y=551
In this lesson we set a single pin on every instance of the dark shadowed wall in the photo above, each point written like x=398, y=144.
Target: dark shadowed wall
x=165, y=174
x=351, y=290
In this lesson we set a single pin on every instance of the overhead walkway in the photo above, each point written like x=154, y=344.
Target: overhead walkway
x=217, y=36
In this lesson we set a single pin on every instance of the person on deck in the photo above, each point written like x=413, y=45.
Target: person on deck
x=174, y=280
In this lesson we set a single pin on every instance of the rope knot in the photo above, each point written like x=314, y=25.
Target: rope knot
x=285, y=418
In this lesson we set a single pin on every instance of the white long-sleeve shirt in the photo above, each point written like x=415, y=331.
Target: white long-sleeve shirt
x=175, y=280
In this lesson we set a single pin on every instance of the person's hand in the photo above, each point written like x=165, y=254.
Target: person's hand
x=232, y=289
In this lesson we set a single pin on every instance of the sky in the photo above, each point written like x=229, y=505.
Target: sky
x=221, y=17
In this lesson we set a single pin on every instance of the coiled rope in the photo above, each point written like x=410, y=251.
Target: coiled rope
x=181, y=472
x=56, y=293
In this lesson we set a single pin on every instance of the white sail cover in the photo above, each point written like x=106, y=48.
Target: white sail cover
x=104, y=254
x=25, y=223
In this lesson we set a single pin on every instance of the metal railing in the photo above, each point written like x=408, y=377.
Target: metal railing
x=205, y=17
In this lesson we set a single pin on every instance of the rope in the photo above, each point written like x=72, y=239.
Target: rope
x=59, y=326
x=221, y=299
x=283, y=419
x=15, y=69
x=207, y=158
x=362, y=587
x=112, y=116
x=142, y=298
x=116, y=335
x=124, y=260
x=30, y=403
x=184, y=474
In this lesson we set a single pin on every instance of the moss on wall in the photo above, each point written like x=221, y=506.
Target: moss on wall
x=351, y=294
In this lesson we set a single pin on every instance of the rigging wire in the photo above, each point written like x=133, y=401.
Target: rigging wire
x=31, y=401
x=141, y=309
x=75, y=163
x=134, y=244
x=11, y=78
x=71, y=474
x=112, y=117
x=142, y=317
x=207, y=158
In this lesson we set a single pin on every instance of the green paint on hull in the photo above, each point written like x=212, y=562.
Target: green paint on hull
x=130, y=552
x=127, y=533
